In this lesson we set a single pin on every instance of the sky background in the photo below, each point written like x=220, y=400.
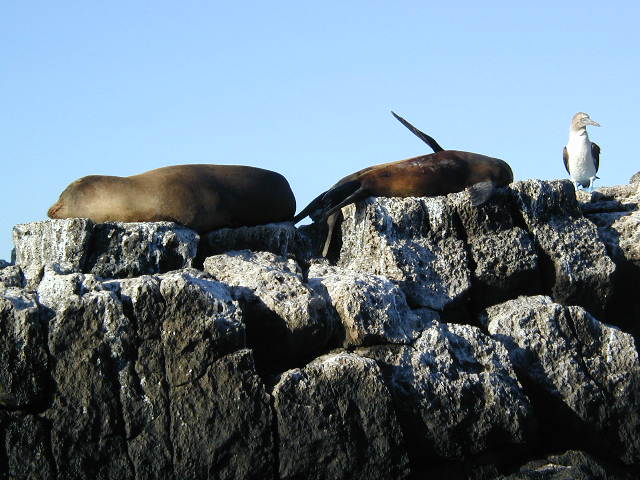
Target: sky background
x=304, y=88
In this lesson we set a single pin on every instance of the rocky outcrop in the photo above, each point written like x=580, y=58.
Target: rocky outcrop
x=443, y=341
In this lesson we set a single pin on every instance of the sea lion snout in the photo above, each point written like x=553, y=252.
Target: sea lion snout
x=53, y=212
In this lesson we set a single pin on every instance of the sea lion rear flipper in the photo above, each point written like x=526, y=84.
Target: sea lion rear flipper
x=421, y=135
x=359, y=194
x=480, y=192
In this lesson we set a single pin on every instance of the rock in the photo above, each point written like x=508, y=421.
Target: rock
x=504, y=261
x=371, y=309
x=132, y=249
x=582, y=375
x=11, y=276
x=336, y=420
x=287, y=322
x=62, y=244
x=575, y=266
x=201, y=324
x=110, y=250
x=25, y=440
x=413, y=242
x=455, y=393
x=635, y=178
x=571, y=465
x=222, y=423
x=621, y=198
x=86, y=337
x=282, y=239
x=24, y=364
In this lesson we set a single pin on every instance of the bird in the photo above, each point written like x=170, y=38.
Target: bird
x=581, y=156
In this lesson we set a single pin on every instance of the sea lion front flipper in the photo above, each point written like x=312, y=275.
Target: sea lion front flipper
x=480, y=192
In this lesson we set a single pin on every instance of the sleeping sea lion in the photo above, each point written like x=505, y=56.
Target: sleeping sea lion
x=202, y=197
x=439, y=173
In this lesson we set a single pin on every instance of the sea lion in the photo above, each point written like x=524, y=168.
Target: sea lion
x=439, y=173
x=202, y=197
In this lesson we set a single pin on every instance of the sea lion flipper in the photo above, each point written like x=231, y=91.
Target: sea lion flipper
x=359, y=194
x=480, y=192
x=418, y=133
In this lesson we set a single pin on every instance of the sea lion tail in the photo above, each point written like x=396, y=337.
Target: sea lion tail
x=325, y=204
x=421, y=135
x=480, y=192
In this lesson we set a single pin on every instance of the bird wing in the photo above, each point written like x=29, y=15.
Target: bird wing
x=595, y=153
x=565, y=159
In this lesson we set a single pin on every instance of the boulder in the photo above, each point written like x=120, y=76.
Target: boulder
x=414, y=242
x=371, y=309
x=287, y=322
x=576, y=269
x=582, y=375
x=456, y=395
x=336, y=420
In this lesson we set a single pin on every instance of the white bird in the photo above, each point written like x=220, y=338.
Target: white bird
x=581, y=156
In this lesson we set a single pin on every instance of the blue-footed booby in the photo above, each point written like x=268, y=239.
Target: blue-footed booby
x=581, y=156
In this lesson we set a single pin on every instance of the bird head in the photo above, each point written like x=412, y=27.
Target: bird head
x=581, y=120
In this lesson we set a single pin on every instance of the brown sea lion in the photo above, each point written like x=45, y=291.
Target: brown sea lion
x=439, y=173
x=202, y=197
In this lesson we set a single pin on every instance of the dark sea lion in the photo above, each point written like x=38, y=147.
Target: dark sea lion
x=439, y=173
x=202, y=197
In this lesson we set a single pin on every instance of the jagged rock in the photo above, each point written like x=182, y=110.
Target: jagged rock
x=281, y=239
x=222, y=421
x=132, y=249
x=575, y=266
x=621, y=198
x=412, y=241
x=11, y=276
x=371, y=308
x=583, y=375
x=287, y=322
x=504, y=259
x=25, y=440
x=571, y=465
x=635, y=178
x=62, y=244
x=455, y=393
x=110, y=250
x=336, y=420
x=24, y=365
x=86, y=336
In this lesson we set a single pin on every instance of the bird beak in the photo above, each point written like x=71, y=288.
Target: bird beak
x=591, y=122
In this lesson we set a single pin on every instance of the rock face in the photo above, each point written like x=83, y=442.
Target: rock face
x=444, y=341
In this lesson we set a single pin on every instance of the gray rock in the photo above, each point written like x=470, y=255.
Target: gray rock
x=281, y=239
x=371, y=309
x=24, y=365
x=635, y=178
x=287, y=322
x=571, y=465
x=619, y=198
x=505, y=263
x=455, y=393
x=411, y=241
x=575, y=266
x=62, y=244
x=110, y=250
x=25, y=440
x=222, y=423
x=583, y=375
x=88, y=439
x=336, y=421
x=11, y=276
x=201, y=324
x=132, y=249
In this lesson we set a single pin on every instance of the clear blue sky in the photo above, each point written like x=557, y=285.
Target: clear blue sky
x=304, y=88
